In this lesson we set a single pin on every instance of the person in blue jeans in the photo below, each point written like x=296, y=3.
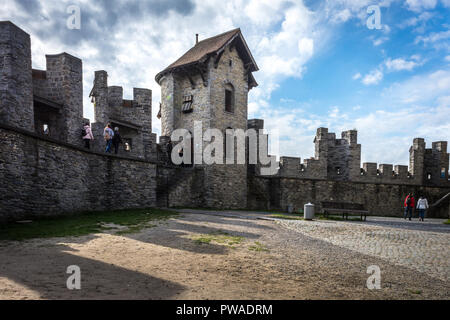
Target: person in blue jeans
x=409, y=206
x=422, y=206
x=108, y=134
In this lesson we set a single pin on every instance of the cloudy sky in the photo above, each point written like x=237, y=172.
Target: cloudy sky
x=320, y=64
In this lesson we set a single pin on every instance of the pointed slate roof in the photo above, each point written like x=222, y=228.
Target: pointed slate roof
x=210, y=47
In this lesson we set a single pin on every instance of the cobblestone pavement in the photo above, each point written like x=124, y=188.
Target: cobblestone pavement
x=424, y=247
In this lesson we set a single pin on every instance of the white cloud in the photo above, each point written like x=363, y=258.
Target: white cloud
x=447, y=58
x=374, y=77
x=379, y=41
x=401, y=64
x=264, y=12
x=437, y=39
x=306, y=47
x=414, y=21
x=356, y=76
x=396, y=129
x=420, y=89
x=419, y=5
x=342, y=16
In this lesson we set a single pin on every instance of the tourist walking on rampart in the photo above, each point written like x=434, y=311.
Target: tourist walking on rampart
x=409, y=205
x=116, y=140
x=87, y=135
x=422, y=206
x=108, y=134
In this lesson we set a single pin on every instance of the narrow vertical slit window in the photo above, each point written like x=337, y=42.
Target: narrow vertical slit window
x=229, y=98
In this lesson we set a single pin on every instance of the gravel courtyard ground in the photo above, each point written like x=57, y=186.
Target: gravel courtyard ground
x=236, y=255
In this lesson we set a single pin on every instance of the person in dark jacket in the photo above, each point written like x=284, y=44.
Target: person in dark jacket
x=116, y=140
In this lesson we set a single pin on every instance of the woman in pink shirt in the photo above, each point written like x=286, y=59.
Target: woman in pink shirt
x=88, y=136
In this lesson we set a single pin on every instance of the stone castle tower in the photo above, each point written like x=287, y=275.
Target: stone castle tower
x=42, y=101
x=210, y=83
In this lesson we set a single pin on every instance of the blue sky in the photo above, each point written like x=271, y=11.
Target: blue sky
x=320, y=65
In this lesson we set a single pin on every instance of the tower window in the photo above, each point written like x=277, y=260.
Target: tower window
x=229, y=98
x=127, y=145
x=187, y=103
x=45, y=129
x=338, y=170
x=443, y=173
x=230, y=63
x=429, y=176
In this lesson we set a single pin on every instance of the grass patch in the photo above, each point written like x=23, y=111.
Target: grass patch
x=286, y=216
x=219, y=237
x=83, y=224
x=258, y=247
x=415, y=291
x=447, y=222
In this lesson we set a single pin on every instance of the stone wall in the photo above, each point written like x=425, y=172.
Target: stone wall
x=41, y=176
x=380, y=199
x=180, y=187
x=16, y=87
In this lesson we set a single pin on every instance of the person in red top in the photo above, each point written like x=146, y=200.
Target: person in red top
x=409, y=205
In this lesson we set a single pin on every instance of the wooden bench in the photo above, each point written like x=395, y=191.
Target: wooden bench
x=346, y=208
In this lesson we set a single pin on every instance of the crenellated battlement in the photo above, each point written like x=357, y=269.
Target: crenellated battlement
x=293, y=167
x=386, y=173
x=339, y=160
x=132, y=117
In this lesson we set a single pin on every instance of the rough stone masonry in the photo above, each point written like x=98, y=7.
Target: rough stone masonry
x=44, y=169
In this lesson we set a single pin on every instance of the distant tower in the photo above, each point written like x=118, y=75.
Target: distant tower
x=416, y=159
x=436, y=164
x=65, y=82
x=210, y=83
x=16, y=85
x=340, y=159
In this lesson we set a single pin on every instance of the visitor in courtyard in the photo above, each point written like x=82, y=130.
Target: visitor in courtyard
x=108, y=134
x=409, y=206
x=87, y=135
x=422, y=206
x=116, y=140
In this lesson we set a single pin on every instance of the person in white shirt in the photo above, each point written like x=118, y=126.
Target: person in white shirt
x=422, y=206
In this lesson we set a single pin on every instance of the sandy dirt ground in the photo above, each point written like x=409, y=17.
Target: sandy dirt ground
x=164, y=262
